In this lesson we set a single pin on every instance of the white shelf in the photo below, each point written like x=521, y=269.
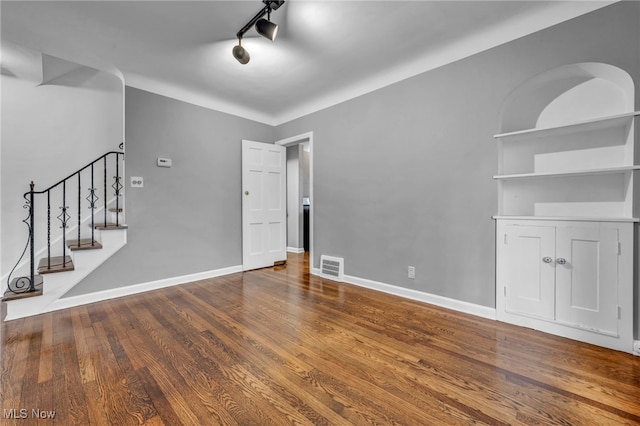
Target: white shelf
x=569, y=218
x=588, y=125
x=609, y=170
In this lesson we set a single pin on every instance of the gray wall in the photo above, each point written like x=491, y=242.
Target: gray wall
x=187, y=218
x=294, y=178
x=403, y=175
x=305, y=170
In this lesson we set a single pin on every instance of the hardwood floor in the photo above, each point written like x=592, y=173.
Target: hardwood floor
x=277, y=346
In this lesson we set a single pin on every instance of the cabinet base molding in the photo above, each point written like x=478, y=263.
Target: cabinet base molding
x=620, y=343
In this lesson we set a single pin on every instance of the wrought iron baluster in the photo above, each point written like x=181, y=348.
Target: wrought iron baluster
x=105, y=191
x=48, y=229
x=117, y=186
x=92, y=198
x=25, y=284
x=79, y=205
x=64, y=218
x=31, y=238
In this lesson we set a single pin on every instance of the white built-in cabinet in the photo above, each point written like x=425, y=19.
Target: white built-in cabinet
x=567, y=205
x=570, y=278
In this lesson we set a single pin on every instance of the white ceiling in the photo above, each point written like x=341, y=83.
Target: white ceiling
x=326, y=51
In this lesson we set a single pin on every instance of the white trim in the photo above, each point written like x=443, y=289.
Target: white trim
x=297, y=250
x=69, y=302
x=569, y=218
x=195, y=97
x=496, y=35
x=432, y=299
x=293, y=140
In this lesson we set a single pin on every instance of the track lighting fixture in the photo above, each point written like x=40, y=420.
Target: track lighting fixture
x=264, y=27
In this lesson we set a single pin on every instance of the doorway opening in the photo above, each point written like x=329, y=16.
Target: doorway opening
x=299, y=193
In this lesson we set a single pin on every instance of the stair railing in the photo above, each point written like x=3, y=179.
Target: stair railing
x=27, y=284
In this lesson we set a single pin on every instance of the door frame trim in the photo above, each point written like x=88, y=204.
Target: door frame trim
x=295, y=140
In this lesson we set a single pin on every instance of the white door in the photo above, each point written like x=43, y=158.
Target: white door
x=264, y=221
x=587, y=277
x=530, y=272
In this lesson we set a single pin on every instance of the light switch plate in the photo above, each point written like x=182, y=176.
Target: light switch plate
x=137, y=182
x=411, y=272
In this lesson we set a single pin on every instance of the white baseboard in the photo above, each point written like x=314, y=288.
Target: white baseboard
x=433, y=299
x=295, y=249
x=69, y=302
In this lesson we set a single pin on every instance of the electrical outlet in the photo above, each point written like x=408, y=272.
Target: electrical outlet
x=137, y=182
x=411, y=272
x=636, y=347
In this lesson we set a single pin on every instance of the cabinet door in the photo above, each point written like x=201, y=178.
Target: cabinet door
x=530, y=286
x=587, y=277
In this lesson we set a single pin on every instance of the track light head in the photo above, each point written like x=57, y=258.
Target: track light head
x=267, y=29
x=240, y=53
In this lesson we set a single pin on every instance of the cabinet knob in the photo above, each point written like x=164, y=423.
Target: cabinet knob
x=246, y=192
x=547, y=259
x=561, y=261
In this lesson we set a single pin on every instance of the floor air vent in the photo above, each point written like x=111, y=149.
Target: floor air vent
x=332, y=267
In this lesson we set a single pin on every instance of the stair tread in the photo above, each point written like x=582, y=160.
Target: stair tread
x=9, y=295
x=85, y=244
x=56, y=265
x=110, y=226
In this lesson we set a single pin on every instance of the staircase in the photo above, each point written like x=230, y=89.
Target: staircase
x=73, y=226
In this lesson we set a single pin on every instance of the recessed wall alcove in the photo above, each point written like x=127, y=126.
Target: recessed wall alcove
x=567, y=144
x=567, y=94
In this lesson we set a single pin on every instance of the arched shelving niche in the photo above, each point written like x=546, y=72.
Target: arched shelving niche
x=566, y=147
x=568, y=94
x=567, y=206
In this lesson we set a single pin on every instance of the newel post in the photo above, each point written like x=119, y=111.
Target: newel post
x=32, y=286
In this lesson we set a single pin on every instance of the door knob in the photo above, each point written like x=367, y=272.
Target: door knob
x=561, y=261
x=547, y=259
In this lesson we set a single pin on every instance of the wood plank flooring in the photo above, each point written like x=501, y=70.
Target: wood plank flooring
x=278, y=346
